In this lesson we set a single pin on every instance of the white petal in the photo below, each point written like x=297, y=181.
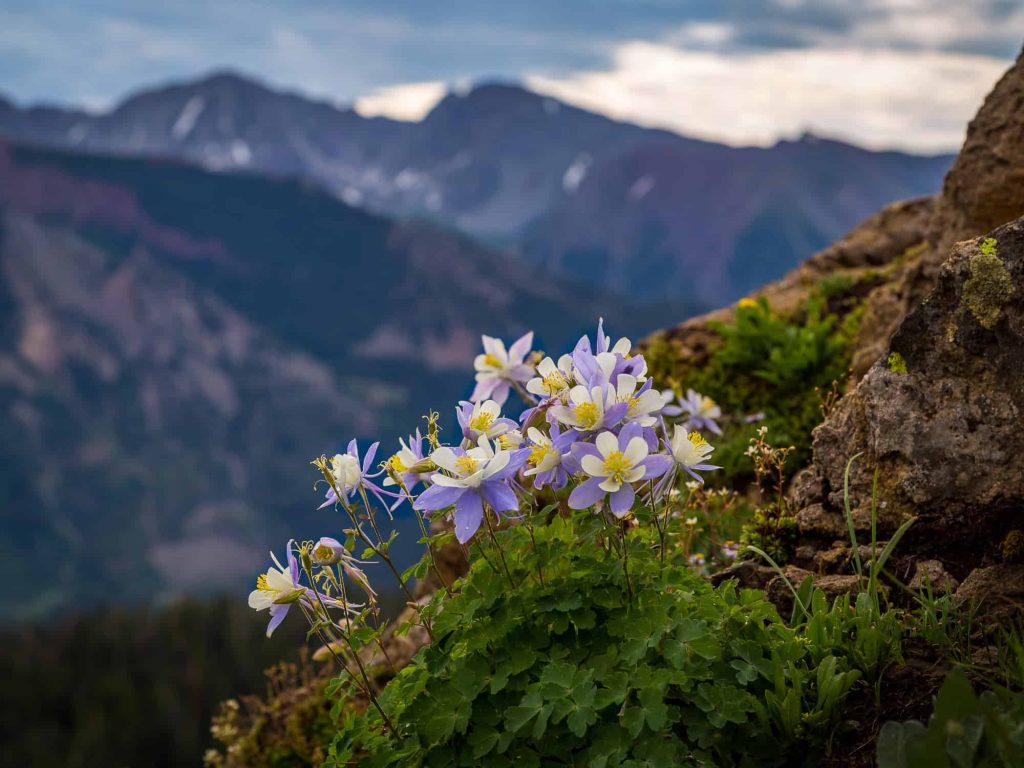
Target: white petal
x=593, y=466
x=446, y=481
x=606, y=443
x=579, y=394
x=498, y=463
x=445, y=458
x=609, y=484
x=625, y=386
x=260, y=599
x=636, y=450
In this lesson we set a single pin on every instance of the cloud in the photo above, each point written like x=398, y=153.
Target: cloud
x=916, y=100
x=410, y=101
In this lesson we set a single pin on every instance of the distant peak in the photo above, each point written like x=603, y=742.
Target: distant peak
x=496, y=96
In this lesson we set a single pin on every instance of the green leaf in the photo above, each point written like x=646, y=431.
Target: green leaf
x=632, y=720
x=895, y=742
x=481, y=741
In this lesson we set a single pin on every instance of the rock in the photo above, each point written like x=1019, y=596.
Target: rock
x=997, y=588
x=832, y=560
x=816, y=520
x=931, y=573
x=748, y=573
x=945, y=436
x=778, y=591
x=985, y=186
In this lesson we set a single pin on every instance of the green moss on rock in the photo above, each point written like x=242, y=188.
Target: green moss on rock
x=897, y=363
x=989, y=287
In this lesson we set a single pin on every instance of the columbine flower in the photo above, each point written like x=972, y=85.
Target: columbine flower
x=613, y=463
x=277, y=589
x=701, y=411
x=470, y=479
x=346, y=475
x=404, y=467
x=592, y=409
x=697, y=559
x=482, y=420
x=605, y=361
x=690, y=451
x=641, y=405
x=546, y=455
x=553, y=380
x=730, y=550
x=497, y=368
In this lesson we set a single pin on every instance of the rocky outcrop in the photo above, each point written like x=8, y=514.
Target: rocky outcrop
x=940, y=419
x=985, y=186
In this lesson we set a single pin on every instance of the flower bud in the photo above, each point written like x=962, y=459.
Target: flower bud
x=328, y=551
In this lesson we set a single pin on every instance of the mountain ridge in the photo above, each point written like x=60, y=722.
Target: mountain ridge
x=512, y=168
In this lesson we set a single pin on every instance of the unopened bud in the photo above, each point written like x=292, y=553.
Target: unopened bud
x=328, y=551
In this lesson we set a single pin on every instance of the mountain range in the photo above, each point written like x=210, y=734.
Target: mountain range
x=647, y=211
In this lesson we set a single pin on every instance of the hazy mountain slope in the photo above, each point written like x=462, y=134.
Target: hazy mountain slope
x=179, y=344
x=669, y=219
x=602, y=200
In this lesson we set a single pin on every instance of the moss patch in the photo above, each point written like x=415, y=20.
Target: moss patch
x=989, y=287
x=897, y=363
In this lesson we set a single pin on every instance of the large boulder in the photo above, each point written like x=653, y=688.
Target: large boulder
x=939, y=417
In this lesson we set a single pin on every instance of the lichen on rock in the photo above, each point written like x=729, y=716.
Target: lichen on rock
x=989, y=286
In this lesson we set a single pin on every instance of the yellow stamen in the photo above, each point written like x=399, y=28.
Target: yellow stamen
x=261, y=583
x=538, y=453
x=696, y=439
x=482, y=421
x=505, y=441
x=396, y=465
x=617, y=466
x=554, y=382
x=466, y=465
x=706, y=404
x=492, y=361
x=587, y=415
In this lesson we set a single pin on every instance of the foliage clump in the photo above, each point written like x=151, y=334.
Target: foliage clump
x=570, y=658
x=965, y=730
x=770, y=369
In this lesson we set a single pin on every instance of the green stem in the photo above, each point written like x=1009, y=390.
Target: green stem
x=501, y=553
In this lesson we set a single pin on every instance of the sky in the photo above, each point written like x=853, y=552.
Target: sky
x=904, y=74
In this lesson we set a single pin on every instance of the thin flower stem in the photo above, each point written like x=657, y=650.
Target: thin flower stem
x=339, y=583
x=379, y=552
x=486, y=558
x=430, y=551
x=501, y=553
x=625, y=560
x=355, y=654
x=540, y=570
